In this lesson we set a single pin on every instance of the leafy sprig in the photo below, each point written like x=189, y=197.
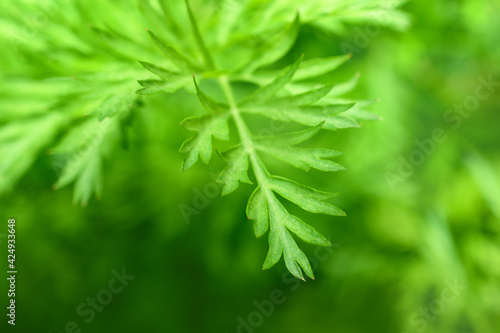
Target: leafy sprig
x=273, y=101
x=83, y=93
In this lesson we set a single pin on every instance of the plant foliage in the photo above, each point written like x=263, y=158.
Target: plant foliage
x=83, y=109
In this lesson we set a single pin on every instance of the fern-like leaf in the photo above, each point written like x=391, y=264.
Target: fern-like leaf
x=284, y=97
x=80, y=78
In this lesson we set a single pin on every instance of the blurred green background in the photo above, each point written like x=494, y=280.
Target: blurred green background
x=419, y=250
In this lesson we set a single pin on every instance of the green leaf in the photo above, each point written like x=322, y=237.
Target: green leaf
x=303, y=158
x=311, y=68
x=332, y=108
x=173, y=20
x=319, y=66
x=311, y=116
x=345, y=87
x=21, y=141
x=273, y=48
x=305, y=197
x=235, y=171
x=265, y=92
x=159, y=71
x=275, y=248
x=81, y=164
x=89, y=181
x=178, y=59
x=117, y=45
x=282, y=242
x=366, y=12
x=158, y=19
x=358, y=114
x=295, y=259
x=291, y=138
x=307, y=115
x=157, y=86
x=85, y=147
x=209, y=103
x=305, y=231
x=201, y=143
x=306, y=98
x=114, y=104
x=199, y=40
x=265, y=209
x=258, y=211
x=75, y=138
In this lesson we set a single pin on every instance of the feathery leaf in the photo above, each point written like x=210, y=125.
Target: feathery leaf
x=235, y=170
x=201, y=143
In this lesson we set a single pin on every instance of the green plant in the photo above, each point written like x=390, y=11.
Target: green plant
x=240, y=42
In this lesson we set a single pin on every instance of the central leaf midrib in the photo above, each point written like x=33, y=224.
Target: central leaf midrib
x=261, y=174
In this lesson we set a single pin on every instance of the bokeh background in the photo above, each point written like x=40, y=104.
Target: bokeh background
x=419, y=250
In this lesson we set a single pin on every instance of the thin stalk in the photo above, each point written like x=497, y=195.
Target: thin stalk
x=260, y=171
x=246, y=139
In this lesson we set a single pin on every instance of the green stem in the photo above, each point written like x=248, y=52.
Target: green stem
x=260, y=171
x=246, y=139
